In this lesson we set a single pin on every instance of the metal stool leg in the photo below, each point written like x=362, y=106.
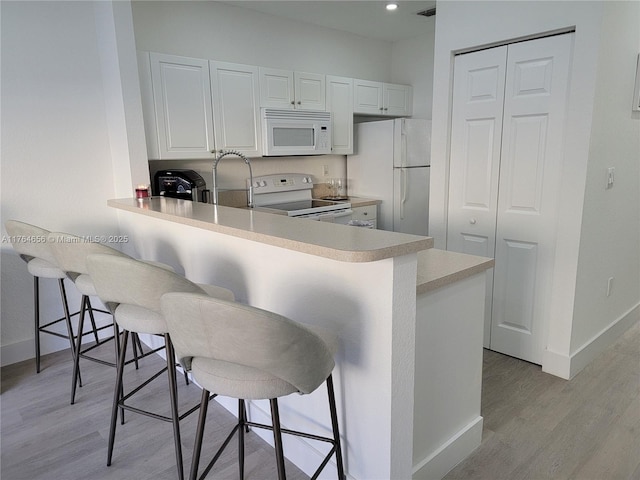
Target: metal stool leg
x=241, y=423
x=76, y=353
x=334, y=425
x=116, y=396
x=197, y=448
x=36, y=304
x=173, y=392
x=277, y=438
x=93, y=321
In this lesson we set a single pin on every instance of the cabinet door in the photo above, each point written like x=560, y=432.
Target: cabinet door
x=368, y=213
x=397, y=100
x=182, y=101
x=340, y=104
x=309, y=91
x=367, y=97
x=236, y=107
x=276, y=88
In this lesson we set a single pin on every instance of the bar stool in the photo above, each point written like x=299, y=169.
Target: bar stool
x=132, y=291
x=31, y=244
x=70, y=252
x=246, y=353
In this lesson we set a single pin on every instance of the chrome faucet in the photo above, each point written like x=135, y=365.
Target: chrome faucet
x=214, y=187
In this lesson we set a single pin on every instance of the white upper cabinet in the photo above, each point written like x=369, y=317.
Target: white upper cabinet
x=340, y=104
x=236, y=107
x=397, y=100
x=384, y=99
x=181, y=108
x=310, y=91
x=290, y=90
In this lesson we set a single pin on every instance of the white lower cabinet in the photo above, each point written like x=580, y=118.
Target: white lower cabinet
x=366, y=213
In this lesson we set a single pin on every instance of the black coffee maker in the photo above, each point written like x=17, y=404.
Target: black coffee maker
x=177, y=183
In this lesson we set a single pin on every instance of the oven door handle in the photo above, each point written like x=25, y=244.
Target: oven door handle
x=342, y=213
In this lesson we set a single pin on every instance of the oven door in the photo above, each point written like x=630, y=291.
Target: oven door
x=342, y=217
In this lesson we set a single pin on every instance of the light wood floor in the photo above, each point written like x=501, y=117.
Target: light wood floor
x=536, y=426
x=46, y=438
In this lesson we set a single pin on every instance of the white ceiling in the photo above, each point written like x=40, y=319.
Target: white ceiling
x=367, y=18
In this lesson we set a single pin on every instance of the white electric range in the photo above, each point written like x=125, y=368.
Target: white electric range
x=292, y=194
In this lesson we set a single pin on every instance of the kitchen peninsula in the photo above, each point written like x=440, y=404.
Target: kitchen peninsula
x=409, y=320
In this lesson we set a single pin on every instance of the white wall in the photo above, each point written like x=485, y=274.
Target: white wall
x=228, y=33
x=465, y=25
x=610, y=237
x=412, y=64
x=57, y=144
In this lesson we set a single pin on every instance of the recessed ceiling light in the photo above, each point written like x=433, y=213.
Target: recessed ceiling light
x=392, y=6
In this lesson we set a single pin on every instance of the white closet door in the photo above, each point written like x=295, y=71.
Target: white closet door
x=530, y=171
x=476, y=132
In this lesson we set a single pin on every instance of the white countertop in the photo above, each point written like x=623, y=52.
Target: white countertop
x=437, y=268
x=337, y=242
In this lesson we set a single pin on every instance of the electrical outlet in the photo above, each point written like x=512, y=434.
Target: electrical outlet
x=325, y=170
x=610, y=177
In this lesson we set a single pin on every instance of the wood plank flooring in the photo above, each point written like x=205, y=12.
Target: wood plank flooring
x=46, y=438
x=536, y=426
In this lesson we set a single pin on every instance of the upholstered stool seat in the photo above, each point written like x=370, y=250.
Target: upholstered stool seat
x=30, y=242
x=44, y=269
x=132, y=291
x=243, y=352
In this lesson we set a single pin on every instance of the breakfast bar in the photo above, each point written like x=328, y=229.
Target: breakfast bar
x=406, y=316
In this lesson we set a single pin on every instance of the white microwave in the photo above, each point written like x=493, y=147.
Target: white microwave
x=295, y=132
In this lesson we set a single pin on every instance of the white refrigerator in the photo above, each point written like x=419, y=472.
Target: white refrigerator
x=392, y=163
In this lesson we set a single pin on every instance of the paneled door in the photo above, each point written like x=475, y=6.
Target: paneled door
x=476, y=135
x=518, y=185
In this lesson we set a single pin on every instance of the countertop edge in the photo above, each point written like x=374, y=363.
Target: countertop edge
x=352, y=256
x=438, y=268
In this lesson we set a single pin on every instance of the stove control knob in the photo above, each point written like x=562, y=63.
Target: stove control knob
x=263, y=183
x=256, y=184
x=304, y=179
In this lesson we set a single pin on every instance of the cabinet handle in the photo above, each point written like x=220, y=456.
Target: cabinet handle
x=385, y=109
x=292, y=102
x=381, y=109
x=299, y=102
x=365, y=213
x=472, y=221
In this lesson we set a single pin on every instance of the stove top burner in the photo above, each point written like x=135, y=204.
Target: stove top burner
x=292, y=193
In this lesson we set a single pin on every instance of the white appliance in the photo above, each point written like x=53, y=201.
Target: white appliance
x=291, y=193
x=392, y=164
x=295, y=132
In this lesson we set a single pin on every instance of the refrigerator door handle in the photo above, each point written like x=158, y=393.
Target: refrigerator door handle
x=403, y=192
x=403, y=150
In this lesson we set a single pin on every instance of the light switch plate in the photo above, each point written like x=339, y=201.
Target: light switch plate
x=610, y=177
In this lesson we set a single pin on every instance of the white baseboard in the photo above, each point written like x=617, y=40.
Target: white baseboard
x=567, y=367
x=452, y=452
